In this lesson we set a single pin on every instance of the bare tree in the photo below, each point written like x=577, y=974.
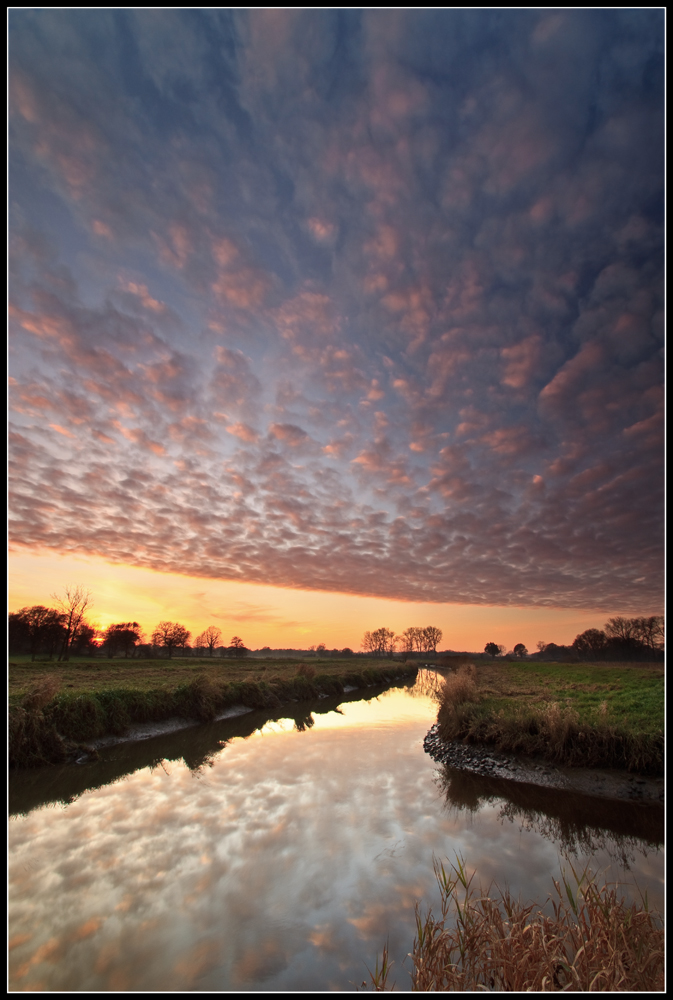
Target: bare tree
x=432, y=636
x=650, y=631
x=72, y=607
x=209, y=638
x=368, y=643
x=171, y=636
x=625, y=629
x=381, y=642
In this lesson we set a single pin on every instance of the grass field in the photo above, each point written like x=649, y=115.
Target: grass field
x=631, y=696
x=84, y=675
x=55, y=707
x=597, y=715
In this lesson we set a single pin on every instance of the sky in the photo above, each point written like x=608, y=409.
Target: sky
x=339, y=308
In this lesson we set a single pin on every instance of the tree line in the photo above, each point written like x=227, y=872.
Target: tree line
x=64, y=631
x=619, y=639
x=416, y=639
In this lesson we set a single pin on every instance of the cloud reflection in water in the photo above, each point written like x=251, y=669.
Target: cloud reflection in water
x=285, y=865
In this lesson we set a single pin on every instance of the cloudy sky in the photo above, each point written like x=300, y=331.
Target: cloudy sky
x=356, y=302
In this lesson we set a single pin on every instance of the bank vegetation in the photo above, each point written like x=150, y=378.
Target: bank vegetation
x=590, y=715
x=56, y=708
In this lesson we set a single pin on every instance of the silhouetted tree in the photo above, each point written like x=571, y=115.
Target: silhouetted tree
x=554, y=652
x=85, y=640
x=591, y=644
x=123, y=635
x=209, y=638
x=433, y=637
x=650, y=631
x=381, y=642
x=170, y=635
x=625, y=629
x=520, y=651
x=35, y=629
x=492, y=648
x=72, y=608
x=237, y=647
x=412, y=639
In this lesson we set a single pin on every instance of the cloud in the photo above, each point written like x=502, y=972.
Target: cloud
x=317, y=298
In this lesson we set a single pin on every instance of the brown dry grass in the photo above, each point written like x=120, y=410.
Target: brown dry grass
x=594, y=941
x=41, y=693
x=306, y=670
x=459, y=687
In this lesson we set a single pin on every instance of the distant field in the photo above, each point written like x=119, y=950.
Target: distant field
x=83, y=675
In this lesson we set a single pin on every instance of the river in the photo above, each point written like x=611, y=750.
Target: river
x=280, y=854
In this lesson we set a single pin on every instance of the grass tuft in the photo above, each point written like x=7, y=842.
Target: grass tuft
x=458, y=688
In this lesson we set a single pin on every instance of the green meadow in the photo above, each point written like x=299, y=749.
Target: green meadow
x=596, y=715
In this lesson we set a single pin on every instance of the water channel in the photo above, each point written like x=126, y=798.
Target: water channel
x=280, y=854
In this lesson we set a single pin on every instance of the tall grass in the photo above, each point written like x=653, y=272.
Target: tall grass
x=458, y=688
x=594, y=941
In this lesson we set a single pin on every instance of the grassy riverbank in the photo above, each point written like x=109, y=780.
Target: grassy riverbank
x=592, y=940
x=56, y=707
x=592, y=715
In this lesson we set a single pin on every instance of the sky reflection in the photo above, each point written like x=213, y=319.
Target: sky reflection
x=283, y=866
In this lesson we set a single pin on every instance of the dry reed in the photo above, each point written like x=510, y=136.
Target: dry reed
x=306, y=670
x=41, y=693
x=594, y=941
x=459, y=687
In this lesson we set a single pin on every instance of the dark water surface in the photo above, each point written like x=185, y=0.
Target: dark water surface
x=257, y=854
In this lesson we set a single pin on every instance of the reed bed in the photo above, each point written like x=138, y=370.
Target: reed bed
x=592, y=941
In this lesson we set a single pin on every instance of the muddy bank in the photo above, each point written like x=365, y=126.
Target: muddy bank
x=481, y=760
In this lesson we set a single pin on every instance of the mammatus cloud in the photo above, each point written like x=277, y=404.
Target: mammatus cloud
x=357, y=301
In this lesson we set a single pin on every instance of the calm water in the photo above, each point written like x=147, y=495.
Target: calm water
x=279, y=855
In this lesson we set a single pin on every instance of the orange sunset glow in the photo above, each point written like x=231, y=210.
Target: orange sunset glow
x=277, y=616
